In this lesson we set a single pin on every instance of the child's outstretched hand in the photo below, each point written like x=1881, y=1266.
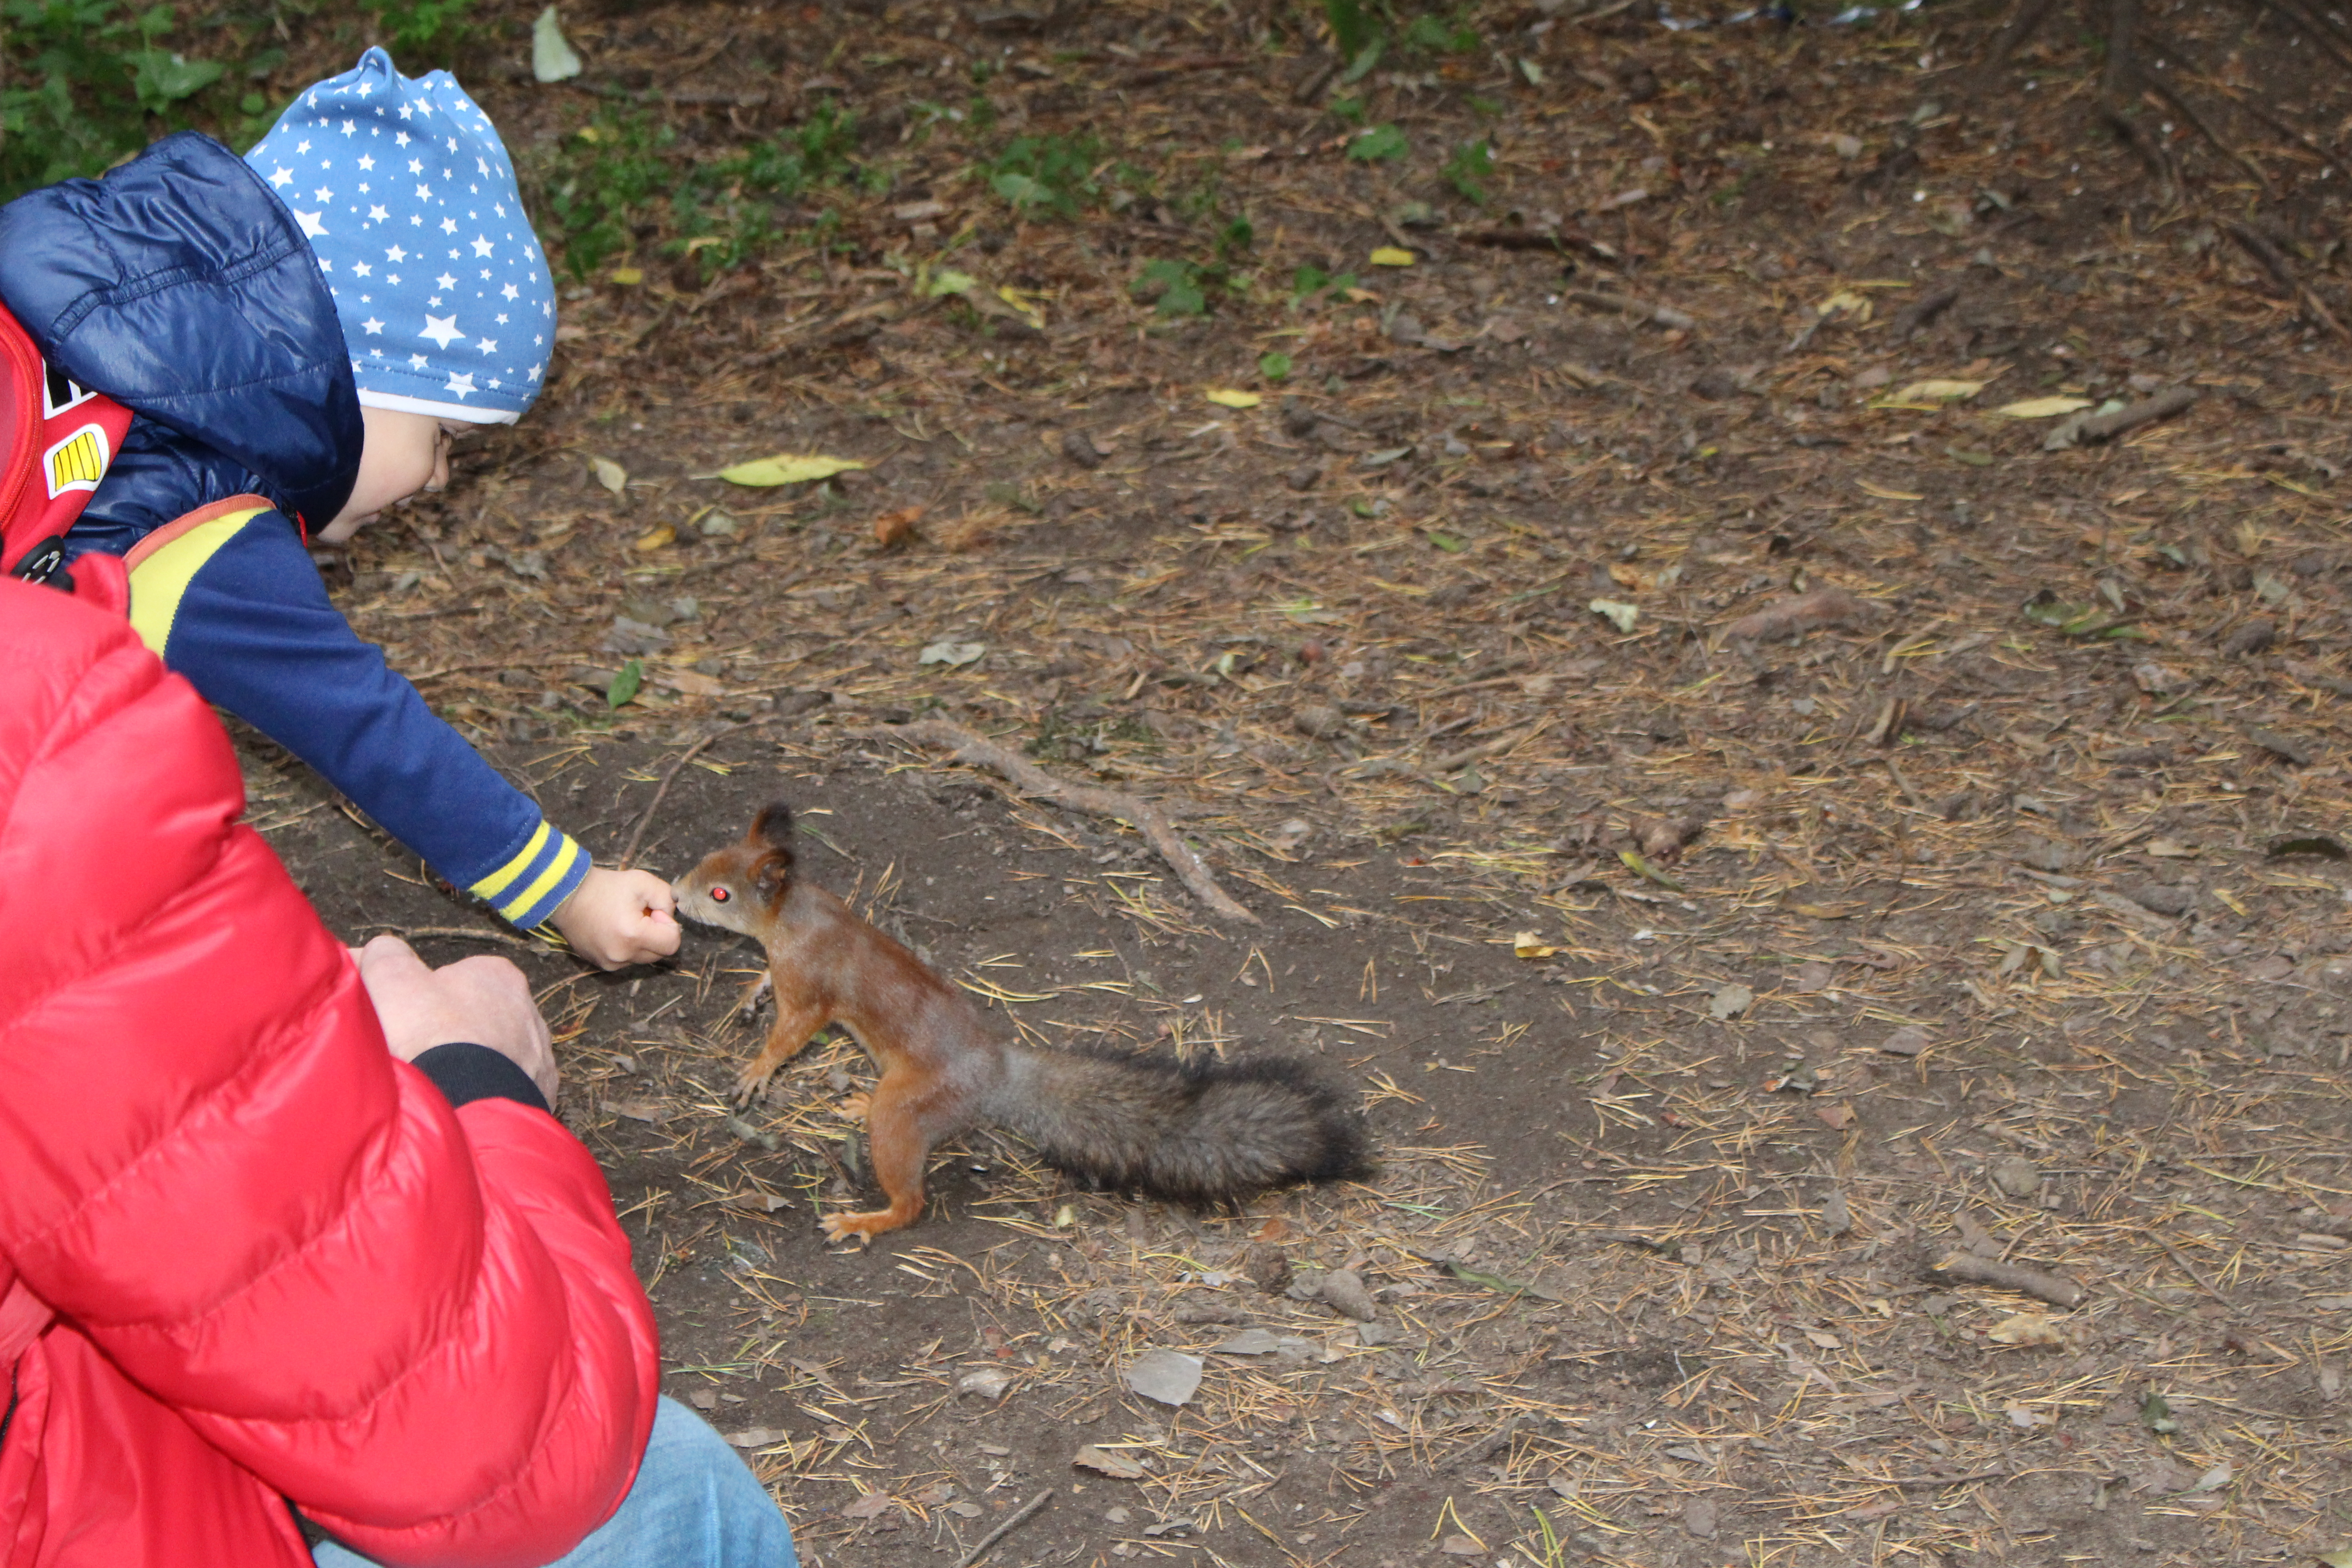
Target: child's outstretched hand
x=617, y=918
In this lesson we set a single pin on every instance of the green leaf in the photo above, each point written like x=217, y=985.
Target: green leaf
x=1019, y=189
x=1274, y=366
x=784, y=468
x=1380, y=143
x=161, y=77
x=1639, y=864
x=1498, y=1283
x=625, y=685
x=2156, y=1415
x=1446, y=542
x=552, y=58
x=1366, y=58
x=948, y=280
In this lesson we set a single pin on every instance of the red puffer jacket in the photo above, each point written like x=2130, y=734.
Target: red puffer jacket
x=245, y=1255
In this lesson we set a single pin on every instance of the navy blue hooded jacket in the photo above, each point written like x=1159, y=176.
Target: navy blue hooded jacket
x=181, y=287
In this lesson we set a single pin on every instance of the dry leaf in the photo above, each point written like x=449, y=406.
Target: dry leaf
x=1622, y=616
x=1730, y=1001
x=609, y=474
x=2027, y=1329
x=693, y=683
x=1168, y=1377
x=628, y=277
x=1227, y=397
x=1530, y=944
x=1882, y=493
x=1392, y=256
x=1103, y=1462
x=1938, y=392
x=869, y=1505
x=1836, y=1114
x=784, y=468
x=2042, y=407
x=655, y=538
x=892, y=529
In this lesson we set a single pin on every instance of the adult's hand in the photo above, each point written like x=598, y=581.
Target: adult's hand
x=483, y=1000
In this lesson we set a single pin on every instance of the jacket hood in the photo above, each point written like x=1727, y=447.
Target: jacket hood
x=180, y=286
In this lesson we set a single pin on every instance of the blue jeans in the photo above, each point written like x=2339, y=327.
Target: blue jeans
x=694, y=1505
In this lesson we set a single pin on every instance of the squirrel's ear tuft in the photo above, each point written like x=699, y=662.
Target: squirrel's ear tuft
x=773, y=826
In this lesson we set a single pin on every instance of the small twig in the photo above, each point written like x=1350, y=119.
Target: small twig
x=1971, y=1269
x=1002, y=1530
x=2190, y=1269
x=629, y=855
x=1921, y=313
x=461, y=933
x=1091, y=799
x=1602, y=299
x=2266, y=255
x=2090, y=429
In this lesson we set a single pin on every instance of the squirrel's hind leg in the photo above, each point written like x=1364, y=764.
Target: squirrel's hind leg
x=899, y=1147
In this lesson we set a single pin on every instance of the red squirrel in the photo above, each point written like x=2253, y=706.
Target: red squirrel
x=1205, y=1133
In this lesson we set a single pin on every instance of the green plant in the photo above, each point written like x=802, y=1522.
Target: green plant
x=617, y=178
x=1055, y=173
x=1177, y=287
x=1274, y=366
x=79, y=79
x=1310, y=281
x=418, y=31
x=1381, y=143
x=1472, y=165
x=1346, y=111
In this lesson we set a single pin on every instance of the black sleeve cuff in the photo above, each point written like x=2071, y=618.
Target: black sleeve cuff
x=467, y=1072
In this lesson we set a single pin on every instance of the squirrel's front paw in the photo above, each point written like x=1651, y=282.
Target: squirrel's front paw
x=751, y=1081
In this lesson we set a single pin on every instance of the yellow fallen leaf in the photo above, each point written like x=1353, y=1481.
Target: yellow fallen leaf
x=1226, y=397
x=1882, y=493
x=2027, y=1329
x=2042, y=407
x=654, y=539
x=1844, y=302
x=784, y=468
x=628, y=277
x=1025, y=302
x=609, y=474
x=1392, y=256
x=1530, y=944
x=1938, y=391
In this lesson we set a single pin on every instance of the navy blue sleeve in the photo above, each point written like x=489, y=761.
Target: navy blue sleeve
x=237, y=607
x=464, y=1072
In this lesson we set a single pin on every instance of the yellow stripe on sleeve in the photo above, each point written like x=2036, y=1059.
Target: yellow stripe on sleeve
x=160, y=581
x=488, y=889
x=567, y=855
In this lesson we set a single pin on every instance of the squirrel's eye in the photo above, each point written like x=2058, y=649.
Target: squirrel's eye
x=719, y=895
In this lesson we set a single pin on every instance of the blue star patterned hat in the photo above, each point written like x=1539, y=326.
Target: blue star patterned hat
x=410, y=203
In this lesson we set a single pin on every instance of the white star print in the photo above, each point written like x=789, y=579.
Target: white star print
x=394, y=280
x=372, y=327
x=487, y=345
x=312, y=226
x=416, y=165
x=379, y=215
x=424, y=193
x=441, y=329
x=481, y=246
x=366, y=162
x=502, y=318
x=534, y=373
x=445, y=282
x=404, y=112
x=448, y=226
x=509, y=292
x=322, y=194
x=463, y=385
x=416, y=361
x=360, y=268
x=396, y=254
x=282, y=178
x=400, y=138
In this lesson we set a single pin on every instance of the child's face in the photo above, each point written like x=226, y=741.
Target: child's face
x=404, y=453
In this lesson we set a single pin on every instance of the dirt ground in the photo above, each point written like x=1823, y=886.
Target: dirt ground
x=1727, y=1000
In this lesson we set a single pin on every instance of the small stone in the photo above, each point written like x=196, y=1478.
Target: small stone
x=1698, y=1517
x=1079, y=449
x=1304, y=477
x=2163, y=900
x=1318, y=720
x=1343, y=1291
x=1267, y=1267
x=2016, y=1175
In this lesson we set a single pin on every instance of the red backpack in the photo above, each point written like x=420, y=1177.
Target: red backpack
x=55, y=441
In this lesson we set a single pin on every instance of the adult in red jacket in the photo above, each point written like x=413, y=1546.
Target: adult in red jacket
x=248, y=1259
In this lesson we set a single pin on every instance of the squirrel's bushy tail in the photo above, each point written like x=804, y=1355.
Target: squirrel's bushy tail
x=1205, y=1132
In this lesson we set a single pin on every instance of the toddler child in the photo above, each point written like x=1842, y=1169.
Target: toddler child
x=299, y=334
